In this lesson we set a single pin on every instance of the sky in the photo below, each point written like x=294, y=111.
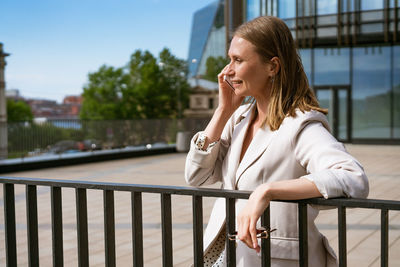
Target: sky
x=54, y=44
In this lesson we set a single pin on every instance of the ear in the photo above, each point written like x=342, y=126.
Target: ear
x=275, y=65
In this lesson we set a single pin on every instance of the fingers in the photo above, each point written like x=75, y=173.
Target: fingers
x=247, y=232
x=253, y=234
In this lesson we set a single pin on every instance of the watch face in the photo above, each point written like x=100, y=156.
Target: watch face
x=200, y=141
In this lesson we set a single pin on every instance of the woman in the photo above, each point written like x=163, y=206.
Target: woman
x=277, y=146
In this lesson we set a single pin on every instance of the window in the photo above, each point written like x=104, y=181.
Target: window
x=371, y=92
x=332, y=66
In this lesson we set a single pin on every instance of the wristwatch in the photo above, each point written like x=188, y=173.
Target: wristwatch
x=201, y=140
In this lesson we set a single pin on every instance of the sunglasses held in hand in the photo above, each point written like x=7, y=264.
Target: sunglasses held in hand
x=261, y=233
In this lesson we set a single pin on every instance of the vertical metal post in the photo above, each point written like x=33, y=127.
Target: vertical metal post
x=197, y=203
x=166, y=224
x=384, y=238
x=230, y=228
x=56, y=226
x=32, y=221
x=266, y=242
x=82, y=227
x=9, y=224
x=137, y=229
x=342, y=236
x=109, y=227
x=303, y=234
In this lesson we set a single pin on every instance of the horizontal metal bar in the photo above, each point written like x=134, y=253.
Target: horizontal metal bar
x=209, y=192
x=159, y=189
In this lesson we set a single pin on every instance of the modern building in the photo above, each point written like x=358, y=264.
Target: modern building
x=351, y=53
x=208, y=37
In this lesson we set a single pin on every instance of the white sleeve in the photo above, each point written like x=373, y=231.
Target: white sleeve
x=205, y=167
x=329, y=166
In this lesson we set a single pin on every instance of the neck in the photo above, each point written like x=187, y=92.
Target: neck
x=261, y=114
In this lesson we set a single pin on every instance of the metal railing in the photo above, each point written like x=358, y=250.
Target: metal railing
x=166, y=220
x=58, y=136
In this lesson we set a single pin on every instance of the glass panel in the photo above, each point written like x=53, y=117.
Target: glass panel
x=305, y=55
x=252, y=9
x=286, y=9
x=343, y=110
x=347, y=5
x=326, y=7
x=201, y=27
x=396, y=91
x=332, y=66
x=371, y=92
x=215, y=45
x=371, y=4
x=325, y=99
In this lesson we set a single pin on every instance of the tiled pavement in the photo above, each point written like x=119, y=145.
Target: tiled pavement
x=363, y=237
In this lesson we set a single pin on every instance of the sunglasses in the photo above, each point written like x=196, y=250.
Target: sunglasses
x=261, y=233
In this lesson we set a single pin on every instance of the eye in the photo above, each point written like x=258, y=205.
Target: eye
x=236, y=59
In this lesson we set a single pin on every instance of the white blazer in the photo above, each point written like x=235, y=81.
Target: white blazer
x=301, y=147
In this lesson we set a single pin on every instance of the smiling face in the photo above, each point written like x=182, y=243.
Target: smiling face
x=249, y=74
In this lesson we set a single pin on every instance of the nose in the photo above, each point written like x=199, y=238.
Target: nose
x=230, y=71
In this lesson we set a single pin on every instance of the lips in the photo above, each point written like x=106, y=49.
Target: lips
x=236, y=81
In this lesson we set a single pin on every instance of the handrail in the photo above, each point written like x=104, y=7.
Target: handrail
x=137, y=226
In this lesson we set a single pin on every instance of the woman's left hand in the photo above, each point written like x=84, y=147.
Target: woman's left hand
x=249, y=215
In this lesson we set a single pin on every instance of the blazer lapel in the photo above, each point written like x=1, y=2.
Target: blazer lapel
x=238, y=136
x=258, y=145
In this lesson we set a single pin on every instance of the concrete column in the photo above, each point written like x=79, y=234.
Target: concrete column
x=3, y=106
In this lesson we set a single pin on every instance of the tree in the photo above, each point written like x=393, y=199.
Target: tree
x=102, y=96
x=146, y=88
x=18, y=111
x=214, y=65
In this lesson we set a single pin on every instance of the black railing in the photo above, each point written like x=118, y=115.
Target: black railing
x=166, y=220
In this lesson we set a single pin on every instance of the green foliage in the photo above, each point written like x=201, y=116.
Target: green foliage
x=28, y=136
x=214, y=65
x=18, y=111
x=146, y=88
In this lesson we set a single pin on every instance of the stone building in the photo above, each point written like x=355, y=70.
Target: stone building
x=203, y=99
x=3, y=107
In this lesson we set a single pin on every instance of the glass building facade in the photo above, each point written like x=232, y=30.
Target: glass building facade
x=351, y=53
x=207, y=37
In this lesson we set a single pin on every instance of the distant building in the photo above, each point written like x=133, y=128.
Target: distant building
x=50, y=109
x=203, y=99
x=72, y=106
x=3, y=109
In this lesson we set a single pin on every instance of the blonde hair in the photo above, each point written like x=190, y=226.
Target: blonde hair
x=290, y=89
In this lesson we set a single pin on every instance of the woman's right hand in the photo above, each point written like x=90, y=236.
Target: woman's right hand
x=228, y=100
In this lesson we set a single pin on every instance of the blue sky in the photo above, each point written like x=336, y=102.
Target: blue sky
x=54, y=44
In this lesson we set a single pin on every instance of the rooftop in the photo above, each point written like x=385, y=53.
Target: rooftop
x=363, y=234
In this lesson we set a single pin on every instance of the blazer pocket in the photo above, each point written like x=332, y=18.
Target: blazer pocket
x=285, y=248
